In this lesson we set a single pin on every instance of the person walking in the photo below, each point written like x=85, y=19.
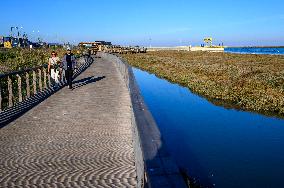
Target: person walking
x=69, y=63
x=53, y=67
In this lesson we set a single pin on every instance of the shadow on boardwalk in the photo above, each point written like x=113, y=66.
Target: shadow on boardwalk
x=21, y=108
x=85, y=81
x=80, y=138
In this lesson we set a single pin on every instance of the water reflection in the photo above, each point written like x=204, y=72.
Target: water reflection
x=224, y=147
x=256, y=50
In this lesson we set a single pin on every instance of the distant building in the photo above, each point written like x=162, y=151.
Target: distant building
x=1, y=41
x=95, y=46
x=54, y=45
x=103, y=43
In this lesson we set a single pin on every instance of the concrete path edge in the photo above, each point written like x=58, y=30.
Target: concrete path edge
x=154, y=165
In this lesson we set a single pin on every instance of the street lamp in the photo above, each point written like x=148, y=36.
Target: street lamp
x=35, y=36
x=38, y=36
x=32, y=37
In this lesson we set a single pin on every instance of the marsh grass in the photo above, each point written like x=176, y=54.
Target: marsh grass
x=18, y=58
x=246, y=81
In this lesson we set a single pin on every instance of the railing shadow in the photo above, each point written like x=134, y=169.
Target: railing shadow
x=85, y=81
x=19, y=109
x=88, y=62
x=12, y=113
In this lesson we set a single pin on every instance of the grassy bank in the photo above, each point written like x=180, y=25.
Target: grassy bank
x=249, y=82
x=18, y=58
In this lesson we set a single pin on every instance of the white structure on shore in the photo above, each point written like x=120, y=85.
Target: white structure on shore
x=189, y=48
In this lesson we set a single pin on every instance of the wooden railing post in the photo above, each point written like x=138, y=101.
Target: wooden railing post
x=62, y=76
x=34, y=82
x=31, y=88
x=49, y=80
x=20, y=95
x=0, y=99
x=28, y=85
x=10, y=91
x=39, y=79
x=44, y=78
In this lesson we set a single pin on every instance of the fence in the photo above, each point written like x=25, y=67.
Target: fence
x=18, y=86
x=21, y=85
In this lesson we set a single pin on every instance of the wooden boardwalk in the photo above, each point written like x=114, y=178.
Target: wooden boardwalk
x=75, y=138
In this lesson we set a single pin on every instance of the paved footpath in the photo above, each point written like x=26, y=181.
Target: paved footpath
x=78, y=138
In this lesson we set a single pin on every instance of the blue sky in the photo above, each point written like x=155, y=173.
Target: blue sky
x=145, y=22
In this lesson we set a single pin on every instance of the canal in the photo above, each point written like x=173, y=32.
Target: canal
x=218, y=147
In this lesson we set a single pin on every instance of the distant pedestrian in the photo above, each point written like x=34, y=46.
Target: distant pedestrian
x=69, y=63
x=53, y=67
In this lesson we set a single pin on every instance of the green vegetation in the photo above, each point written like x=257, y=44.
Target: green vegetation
x=19, y=58
x=249, y=82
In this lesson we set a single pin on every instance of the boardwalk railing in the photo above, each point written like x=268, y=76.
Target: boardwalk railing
x=21, y=85
x=18, y=86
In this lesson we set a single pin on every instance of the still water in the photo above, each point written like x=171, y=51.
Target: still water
x=219, y=147
x=245, y=50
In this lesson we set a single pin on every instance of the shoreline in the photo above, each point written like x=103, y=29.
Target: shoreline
x=242, y=87
x=150, y=148
x=254, y=47
x=255, y=53
x=219, y=102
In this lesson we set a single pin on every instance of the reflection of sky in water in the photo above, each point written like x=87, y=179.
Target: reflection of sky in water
x=229, y=148
x=279, y=51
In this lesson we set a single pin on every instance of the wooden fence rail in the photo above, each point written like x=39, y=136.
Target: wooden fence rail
x=14, y=90
x=17, y=86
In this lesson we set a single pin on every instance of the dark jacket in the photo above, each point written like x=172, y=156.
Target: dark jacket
x=64, y=62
